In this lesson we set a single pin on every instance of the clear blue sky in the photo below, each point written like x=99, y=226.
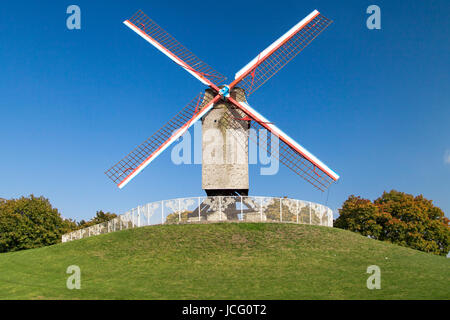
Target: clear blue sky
x=374, y=105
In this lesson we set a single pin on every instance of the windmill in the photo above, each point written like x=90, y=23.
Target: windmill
x=227, y=102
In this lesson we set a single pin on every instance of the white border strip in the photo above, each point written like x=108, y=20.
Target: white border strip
x=165, y=51
x=263, y=54
x=284, y=136
x=169, y=141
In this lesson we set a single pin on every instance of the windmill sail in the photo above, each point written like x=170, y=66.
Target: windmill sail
x=130, y=166
x=293, y=159
x=278, y=54
x=291, y=153
x=163, y=41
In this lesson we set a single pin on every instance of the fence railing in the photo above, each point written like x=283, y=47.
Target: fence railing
x=213, y=209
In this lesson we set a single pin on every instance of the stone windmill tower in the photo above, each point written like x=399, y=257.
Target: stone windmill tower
x=223, y=109
x=225, y=147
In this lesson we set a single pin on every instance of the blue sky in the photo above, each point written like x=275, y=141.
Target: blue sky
x=374, y=105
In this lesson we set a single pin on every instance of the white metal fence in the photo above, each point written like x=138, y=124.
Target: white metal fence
x=213, y=209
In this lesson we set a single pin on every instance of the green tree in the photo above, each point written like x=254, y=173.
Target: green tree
x=30, y=222
x=100, y=217
x=399, y=218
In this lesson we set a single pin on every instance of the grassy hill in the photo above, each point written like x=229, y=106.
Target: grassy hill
x=225, y=261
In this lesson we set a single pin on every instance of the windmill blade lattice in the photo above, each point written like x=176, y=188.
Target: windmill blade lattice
x=135, y=161
x=167, y=44
x=283, y=152
x=276, y=56
x=291, y=158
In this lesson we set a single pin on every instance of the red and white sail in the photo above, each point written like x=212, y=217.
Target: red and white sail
x=130, y=166
x=272, y=59
x=291, y=153
x=164, y=42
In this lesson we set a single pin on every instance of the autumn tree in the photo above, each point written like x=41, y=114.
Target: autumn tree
x=399, y=218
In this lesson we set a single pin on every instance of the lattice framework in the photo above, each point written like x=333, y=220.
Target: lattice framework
x=267, y=68
x=153, y=30
x=284, y=153
x=128, y=164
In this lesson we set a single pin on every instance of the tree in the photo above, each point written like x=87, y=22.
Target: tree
x=30, y=222
x=100, y=217
x=399, y=218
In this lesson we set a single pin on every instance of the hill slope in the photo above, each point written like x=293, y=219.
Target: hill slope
x=225, y=261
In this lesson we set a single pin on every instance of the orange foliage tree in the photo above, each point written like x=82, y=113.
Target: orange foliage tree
x=399, y=218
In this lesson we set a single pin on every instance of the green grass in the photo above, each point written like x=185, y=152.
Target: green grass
x=225, y=261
